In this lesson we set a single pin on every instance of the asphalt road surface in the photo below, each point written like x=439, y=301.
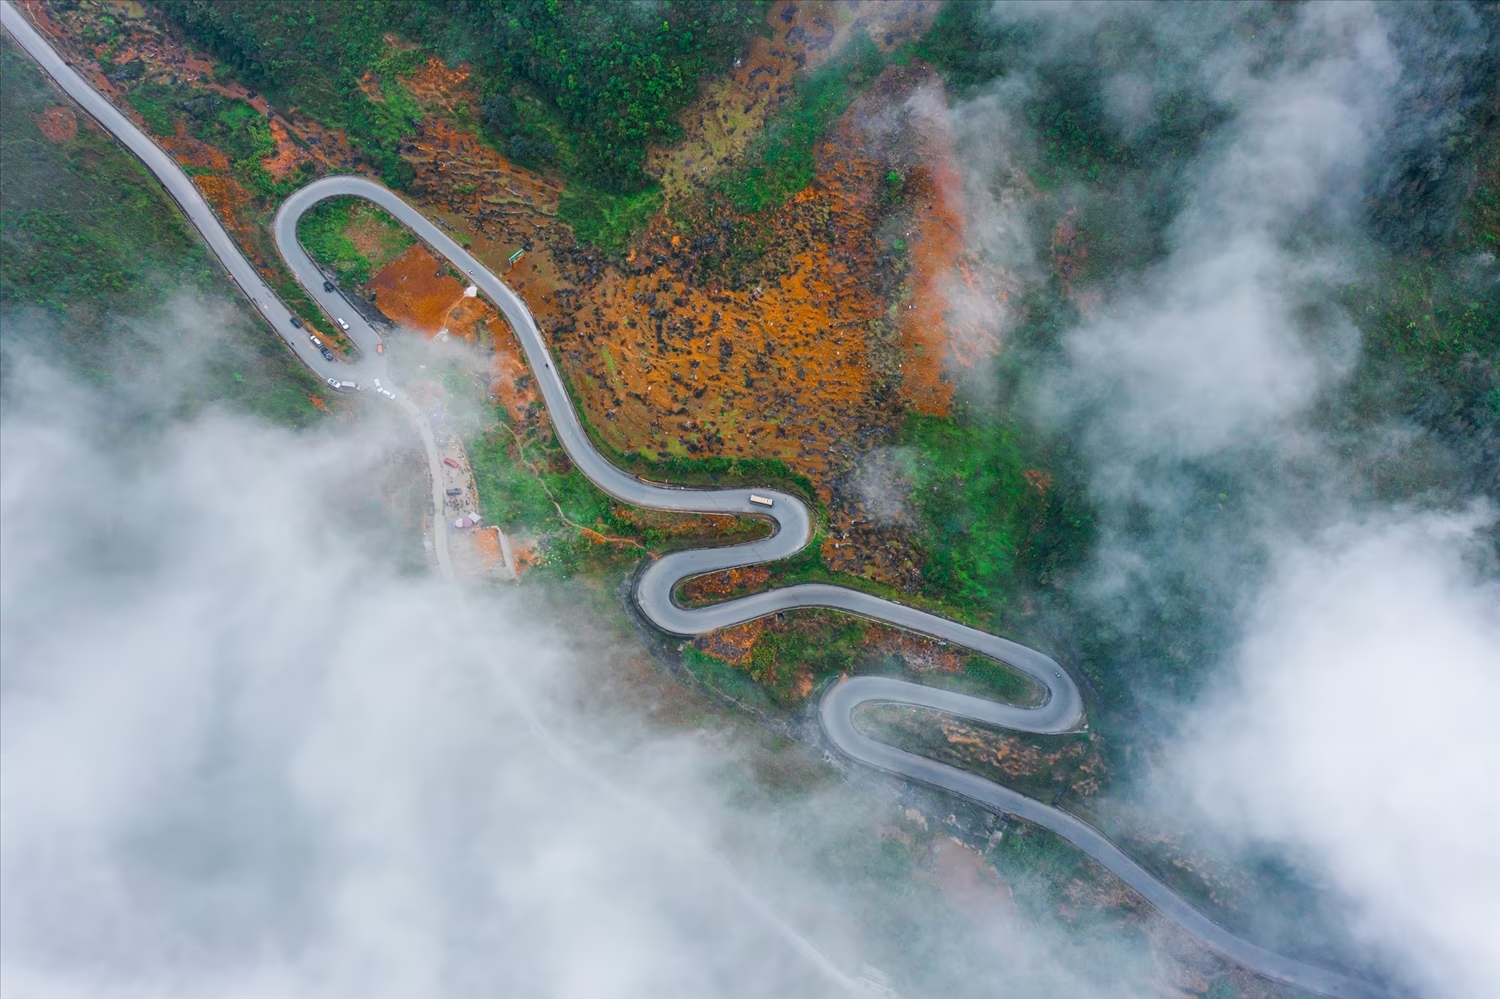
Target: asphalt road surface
x=1061, y=710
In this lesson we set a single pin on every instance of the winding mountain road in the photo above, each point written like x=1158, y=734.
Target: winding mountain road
x=1060, y=711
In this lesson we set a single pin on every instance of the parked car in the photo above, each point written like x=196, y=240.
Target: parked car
x=327, y=354
x=451, y=463
x=344, y=325
x=455, y=492
x=380, y=346
x=296, y=322
x=327, y=285
x=315, y=341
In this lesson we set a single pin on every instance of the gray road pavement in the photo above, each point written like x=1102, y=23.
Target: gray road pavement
x=837, y=710
x=182, y=190
x=1060, y=711
x=179, y=185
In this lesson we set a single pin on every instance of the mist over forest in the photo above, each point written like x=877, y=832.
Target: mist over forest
x=1234, y=460
x=1294, y=471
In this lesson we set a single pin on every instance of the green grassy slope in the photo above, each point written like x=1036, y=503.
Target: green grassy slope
x=93, y=255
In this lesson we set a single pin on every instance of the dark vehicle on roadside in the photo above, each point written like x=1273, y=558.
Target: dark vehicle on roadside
x=296, y=322
x=327, y=354
x=455, y=492
x=327, y=285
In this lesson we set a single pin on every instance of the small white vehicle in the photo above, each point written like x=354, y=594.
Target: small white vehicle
x=315, y=341
x=344, y=325
x=761, y=500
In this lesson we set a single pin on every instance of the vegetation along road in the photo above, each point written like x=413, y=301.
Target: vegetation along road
x=1060, y=711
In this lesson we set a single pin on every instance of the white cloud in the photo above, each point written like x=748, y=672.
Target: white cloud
x=243, y=754
x=242, y=757
x=1350, y=730
x=1357, y=732
x=1210, y=349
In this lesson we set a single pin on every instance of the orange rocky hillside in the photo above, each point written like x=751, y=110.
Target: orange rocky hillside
x=791, y=362
x=803, y=333
x=416, y=291
x=732, y=109
x=807, y=355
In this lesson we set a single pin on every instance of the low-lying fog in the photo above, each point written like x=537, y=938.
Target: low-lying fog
x=245, y=753
x=1341, y=719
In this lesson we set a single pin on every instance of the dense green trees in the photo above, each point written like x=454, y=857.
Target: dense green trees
x=613, y=75
x=994, y=526
x=618, y=73
x=100, y=271
x=311, y=55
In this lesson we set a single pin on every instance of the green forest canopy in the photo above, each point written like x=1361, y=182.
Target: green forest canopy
x=615, y=74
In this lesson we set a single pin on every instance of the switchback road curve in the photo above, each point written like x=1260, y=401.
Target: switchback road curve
x=1061, y=710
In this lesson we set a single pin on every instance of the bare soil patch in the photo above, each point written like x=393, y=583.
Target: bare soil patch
x=58, y=124
x=416, y=290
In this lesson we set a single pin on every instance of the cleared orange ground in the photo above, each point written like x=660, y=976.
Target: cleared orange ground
x=417, y=291
x=288, y=156
x=722, y=584
x=733, y=645
x=806, y=360
x=57, y=124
